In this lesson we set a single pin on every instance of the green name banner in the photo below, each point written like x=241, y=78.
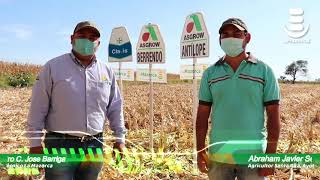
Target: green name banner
x=269, y=160
x=47, y=158
x=29, y=163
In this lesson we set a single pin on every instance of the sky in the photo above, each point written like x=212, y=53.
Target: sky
x=35, y=31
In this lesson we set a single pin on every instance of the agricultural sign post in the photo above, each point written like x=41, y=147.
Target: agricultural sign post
x=195, y=38
x=124, y=74
x=120, y=49
x=186, y=71
x=150, y=47
x=157, y=75
x=151, y=50
x=194, y=44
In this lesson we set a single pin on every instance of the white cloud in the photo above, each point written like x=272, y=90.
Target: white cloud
x=20, y=31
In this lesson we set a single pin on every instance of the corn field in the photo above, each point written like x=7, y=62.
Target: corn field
x=16, y=68
x=300, y=128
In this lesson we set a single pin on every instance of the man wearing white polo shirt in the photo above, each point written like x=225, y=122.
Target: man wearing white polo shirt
x=73, y=96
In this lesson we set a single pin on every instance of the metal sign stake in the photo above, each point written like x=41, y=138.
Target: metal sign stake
x=194, y=113
x=151, y=108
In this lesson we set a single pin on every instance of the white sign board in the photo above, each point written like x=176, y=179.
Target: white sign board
x=186, y=71
x=120, y=49
x=194, y=41
x=125, y=74
x=150, y=47
x=157, y=75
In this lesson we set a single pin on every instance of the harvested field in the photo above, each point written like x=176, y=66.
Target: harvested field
x=300, y=107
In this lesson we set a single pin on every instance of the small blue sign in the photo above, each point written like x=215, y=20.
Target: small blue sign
x=120, y=51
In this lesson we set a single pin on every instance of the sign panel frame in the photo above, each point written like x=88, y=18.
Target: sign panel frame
x=125, y=75
x=194, y=41
x=150, y=47
x=186, y=71
x=119, y=48
x=157, y=75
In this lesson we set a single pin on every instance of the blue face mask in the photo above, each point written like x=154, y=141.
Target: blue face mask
x=85, y=47
x=232, y=46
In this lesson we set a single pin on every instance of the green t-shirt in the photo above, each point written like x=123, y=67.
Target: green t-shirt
x=238, y=102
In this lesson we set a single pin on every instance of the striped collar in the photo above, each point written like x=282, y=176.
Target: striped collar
x=251, y=59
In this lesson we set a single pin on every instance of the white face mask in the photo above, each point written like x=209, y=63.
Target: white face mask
x=232, y=46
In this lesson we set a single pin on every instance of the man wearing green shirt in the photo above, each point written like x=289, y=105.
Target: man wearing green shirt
x=237, y=89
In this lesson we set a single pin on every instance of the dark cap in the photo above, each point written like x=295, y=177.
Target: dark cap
x=236, y=22
x=86, y=24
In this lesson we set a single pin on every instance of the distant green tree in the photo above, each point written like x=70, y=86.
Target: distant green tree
x=296, y=67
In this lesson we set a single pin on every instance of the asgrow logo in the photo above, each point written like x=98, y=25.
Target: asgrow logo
x=194, y=23
x=296, y=28
x=151, y=32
